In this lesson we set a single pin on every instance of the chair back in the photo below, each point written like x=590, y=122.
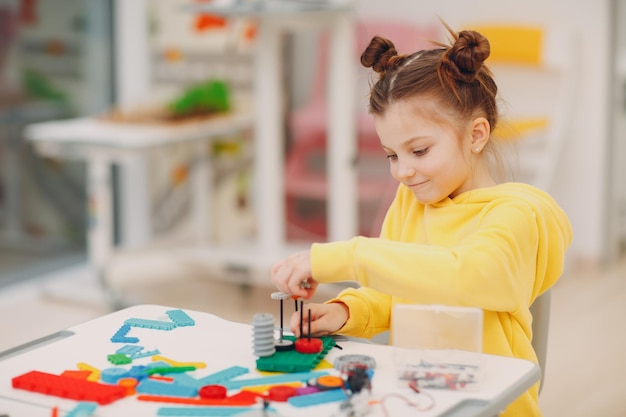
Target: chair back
x=540, y=311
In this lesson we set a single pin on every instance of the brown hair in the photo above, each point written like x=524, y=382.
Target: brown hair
x=454, y=74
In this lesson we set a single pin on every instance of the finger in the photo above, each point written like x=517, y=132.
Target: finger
x=294, y=324
x=282, y=278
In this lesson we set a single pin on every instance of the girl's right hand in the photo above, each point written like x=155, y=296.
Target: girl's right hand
x=326, y=319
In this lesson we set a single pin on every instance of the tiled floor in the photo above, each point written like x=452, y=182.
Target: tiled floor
x=586, y=363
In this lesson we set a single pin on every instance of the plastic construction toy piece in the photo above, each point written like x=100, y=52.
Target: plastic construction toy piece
x=261, y=389
x=282, y=344
x=263, y=332
x=223, y=375
x=152, y=386
x=129, y=349
x=317, y=398
x=281, y=393
x=129, y=385
x=201, y=411
x=82, y=409
x=76, y=389
x=215, y=378
x=120, y=335
x=144, y=353
x=112, y=375
x=294, y=361
x=213, y=392
x=309, y=345
x=170, y=370
x=274, y=379
x=119, y=359
x=180, y=318
x=240, y=399
x=95, y=372
x=151, y=324
x=76, y=374
x=172, y=362
x=328, y=382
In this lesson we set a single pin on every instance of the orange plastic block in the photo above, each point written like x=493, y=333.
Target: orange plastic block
x=68, y=387
x=76, y=374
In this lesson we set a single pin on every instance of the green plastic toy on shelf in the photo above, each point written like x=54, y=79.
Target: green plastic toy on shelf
x=212, y=96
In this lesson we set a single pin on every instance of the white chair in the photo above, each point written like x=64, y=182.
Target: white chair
x=540, y=310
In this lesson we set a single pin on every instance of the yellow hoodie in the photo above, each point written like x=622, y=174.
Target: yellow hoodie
x=496, y=248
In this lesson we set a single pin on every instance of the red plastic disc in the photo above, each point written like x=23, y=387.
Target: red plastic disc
x=281, y=393
x=213, y=392
x=305, y=345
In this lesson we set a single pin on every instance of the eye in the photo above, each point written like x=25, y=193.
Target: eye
x=421, y=152
x=392, y=156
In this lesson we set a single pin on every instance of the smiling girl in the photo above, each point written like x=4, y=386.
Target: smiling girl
x=452, y=235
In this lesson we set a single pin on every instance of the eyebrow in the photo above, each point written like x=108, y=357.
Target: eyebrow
x=409, y=142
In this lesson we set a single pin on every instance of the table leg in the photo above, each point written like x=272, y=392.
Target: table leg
x=202, y=189
x=269, y=142
x=343, y=218
x=100, y=226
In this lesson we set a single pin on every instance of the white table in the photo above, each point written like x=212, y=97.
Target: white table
x=102, y=143
x=221, y=344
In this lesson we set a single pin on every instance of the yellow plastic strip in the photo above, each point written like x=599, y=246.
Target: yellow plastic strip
x=172, y=362
x=260, y=389
x=95, y=372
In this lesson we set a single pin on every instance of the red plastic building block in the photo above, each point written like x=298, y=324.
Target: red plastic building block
x=310, y=345
x=68, y=387
x=281, y=393
x=243, y=398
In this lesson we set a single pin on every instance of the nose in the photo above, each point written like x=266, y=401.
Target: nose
x=404, y=169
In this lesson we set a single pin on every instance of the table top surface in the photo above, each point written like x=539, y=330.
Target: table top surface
x=100, y=132
x=222, y=344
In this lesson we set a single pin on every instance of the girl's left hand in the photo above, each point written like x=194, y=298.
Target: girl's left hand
x=293, y=275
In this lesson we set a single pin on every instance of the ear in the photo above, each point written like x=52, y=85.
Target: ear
x=480, y=134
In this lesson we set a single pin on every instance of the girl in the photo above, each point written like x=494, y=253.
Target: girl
x=452, y=235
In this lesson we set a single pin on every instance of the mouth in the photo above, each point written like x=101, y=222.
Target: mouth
x=417, y=184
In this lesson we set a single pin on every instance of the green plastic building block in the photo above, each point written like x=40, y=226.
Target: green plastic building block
x=292, y=360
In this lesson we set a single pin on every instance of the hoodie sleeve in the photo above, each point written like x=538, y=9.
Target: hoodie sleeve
x=495, y=267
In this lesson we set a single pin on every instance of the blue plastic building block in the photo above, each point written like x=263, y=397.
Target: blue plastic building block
x=215, y=378
x=129, y=349
x=151, y=324
x=223, y=375
x=203, y=411
x=145, y=353
x=317, y=398
x=82, y=409
x=112, y=375
x=180, y=318
x=120, y=335
x=151, y=386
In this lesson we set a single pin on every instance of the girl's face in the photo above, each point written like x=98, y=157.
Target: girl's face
x=428, y=153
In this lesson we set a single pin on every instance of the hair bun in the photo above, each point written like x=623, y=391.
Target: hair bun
x=466, y=56
x=381, y=55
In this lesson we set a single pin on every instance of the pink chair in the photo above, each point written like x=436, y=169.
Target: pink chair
x=306, y=187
